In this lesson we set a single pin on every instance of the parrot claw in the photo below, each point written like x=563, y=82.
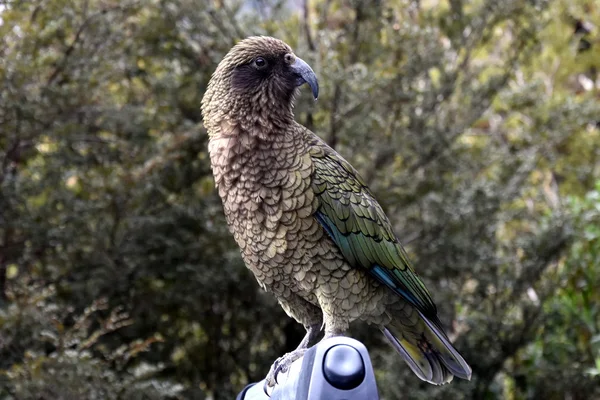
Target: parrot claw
x=282, y=364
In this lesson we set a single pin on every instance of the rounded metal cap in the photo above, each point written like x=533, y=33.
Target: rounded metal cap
x=343, y=367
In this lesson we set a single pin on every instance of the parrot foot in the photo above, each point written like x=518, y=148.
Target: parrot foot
x=282, y=364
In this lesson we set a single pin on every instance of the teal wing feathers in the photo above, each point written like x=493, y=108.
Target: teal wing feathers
x=357, y=224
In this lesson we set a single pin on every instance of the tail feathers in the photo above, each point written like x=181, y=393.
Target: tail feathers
x=427, y=351
x=426, y=367
x=447, y=353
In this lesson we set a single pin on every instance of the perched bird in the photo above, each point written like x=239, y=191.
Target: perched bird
x=307, y=225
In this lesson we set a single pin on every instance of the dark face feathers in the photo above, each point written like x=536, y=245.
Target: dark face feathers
x=268, y=66
x=254, y=85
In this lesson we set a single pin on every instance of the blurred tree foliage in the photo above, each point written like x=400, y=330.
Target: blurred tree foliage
x=475, y=122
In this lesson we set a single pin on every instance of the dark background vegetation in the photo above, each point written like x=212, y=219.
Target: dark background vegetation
x=476, y=123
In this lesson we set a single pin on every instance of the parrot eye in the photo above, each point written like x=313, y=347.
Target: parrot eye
x=260, y=63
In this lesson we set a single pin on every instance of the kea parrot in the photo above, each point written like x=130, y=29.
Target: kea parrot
x=307, y=225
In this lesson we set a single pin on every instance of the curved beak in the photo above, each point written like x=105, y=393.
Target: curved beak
x=305, y=74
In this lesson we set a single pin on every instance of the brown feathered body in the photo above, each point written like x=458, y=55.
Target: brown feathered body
x=280, y=185
x=265, y=184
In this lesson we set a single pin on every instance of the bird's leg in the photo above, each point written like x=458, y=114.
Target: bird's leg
x=312, y=331
x=329, y=333
x=334, y=326
x=283, y=363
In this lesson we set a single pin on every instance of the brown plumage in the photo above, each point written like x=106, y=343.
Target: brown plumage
x=307, y=225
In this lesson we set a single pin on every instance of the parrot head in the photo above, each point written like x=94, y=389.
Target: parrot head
x=259, y=75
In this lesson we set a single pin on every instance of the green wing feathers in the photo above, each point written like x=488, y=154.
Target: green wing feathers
x=357, y=224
